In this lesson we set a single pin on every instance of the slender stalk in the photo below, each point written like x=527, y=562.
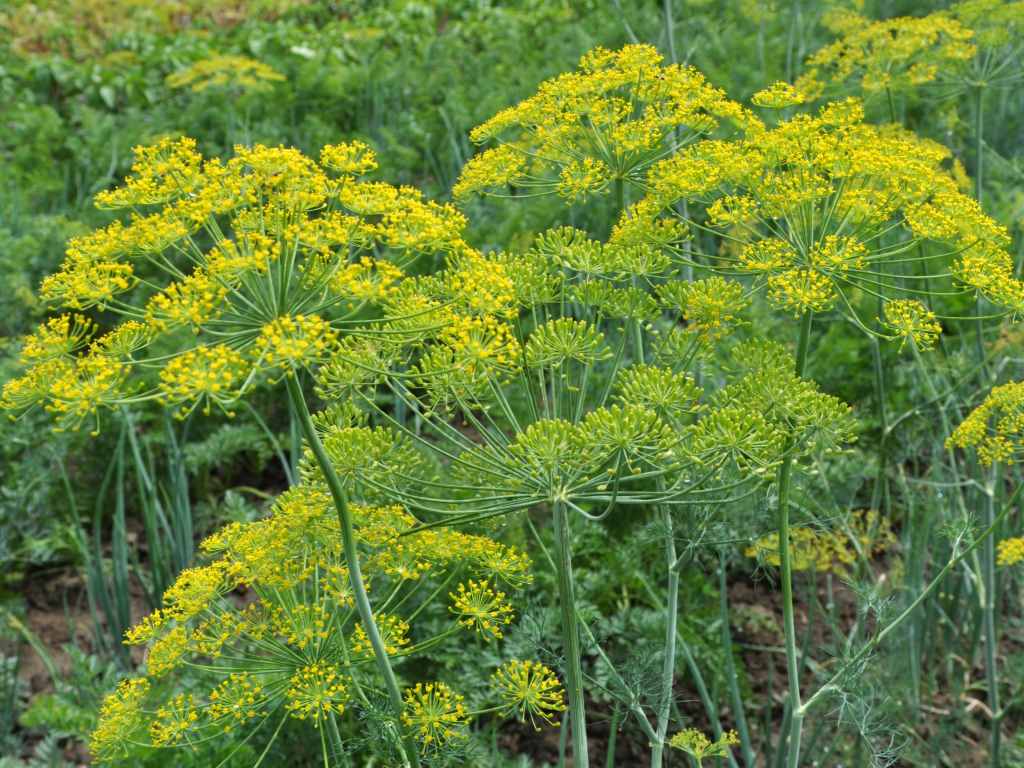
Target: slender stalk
x=613, y=736
x=793, y=733
x=979, y=180
x=348, y=541
x=989, y=608
x=570, y=636
x=668, y=668
x=730, y=668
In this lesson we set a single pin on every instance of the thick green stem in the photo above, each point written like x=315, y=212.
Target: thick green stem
x=348, y=541
x=570, y=636
x=989, y=607
x=790, y=741
x=668, y=667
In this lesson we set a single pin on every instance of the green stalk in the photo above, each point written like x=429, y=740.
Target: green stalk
x=613, y=736
x=989, y=608
x=668, y=668
x=793, y=733
x=730, y=668
x=979, y=149
x=348, y=541
x=570, y=636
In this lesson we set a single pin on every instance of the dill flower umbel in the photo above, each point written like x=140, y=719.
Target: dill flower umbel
x=813, y=210
x=910, y=320
x=264, y=257
x=995, y=429
x=227, y=71
x=481, y=608
x=436, y=713
x=893, y=54
x=298, y=649
x=529, y=689
x=1010, y=551
x=606, y=122
x=316, y=690
x=700, y=747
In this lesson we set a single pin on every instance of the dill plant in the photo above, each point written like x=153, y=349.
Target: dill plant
x=249, y=271
x=578, y=377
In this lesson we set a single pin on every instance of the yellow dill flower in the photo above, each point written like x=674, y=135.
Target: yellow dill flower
x=1011, y=551
x=164, y=171
x=394, y=633
x=351, y=158
x=436, y=713
x=236, y=700
x=803, y=205
x=479, y=285
x=700, y=747
x=83, y=282
x=710, y=307
x=580, y=178
x=194, y=590
x=315, y=691
x=294, y=341
x=173, y=721
x=996, y=427
x=894, y=54
x=227, y=71
x=80, y=391
x=609, y=120
x=167, y=652
x=303, y=626
x=778, y=96
x=909, y=319
x=121, y=717
x=528, y=689
x=481, y=608
x=801, y=290
x=203, y=375
x=192, y=301
x=57, y=337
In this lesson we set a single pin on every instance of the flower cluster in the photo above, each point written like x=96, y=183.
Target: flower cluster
x=607, y=122
x=297, y=649
x=894, y=54
x=815, y=208
x=239, y=73
x=995, y=429
x=264, y=258
x=823, y=551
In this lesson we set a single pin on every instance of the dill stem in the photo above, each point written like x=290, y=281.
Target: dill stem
x=979, y=180
x=790, y=739
x=989, y=609
x=362, y=600
x=739, y=715
x=570, y=635
x=671, y=621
